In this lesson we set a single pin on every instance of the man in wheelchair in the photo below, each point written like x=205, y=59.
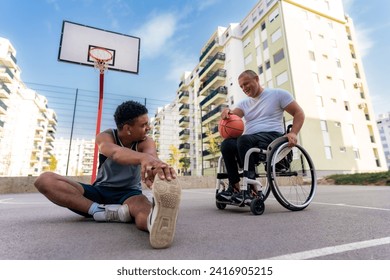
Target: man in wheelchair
x=262, y=111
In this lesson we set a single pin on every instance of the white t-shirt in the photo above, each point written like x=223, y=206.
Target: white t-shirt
x=265, y=113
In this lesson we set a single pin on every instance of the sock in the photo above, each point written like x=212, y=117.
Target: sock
x=94, y=208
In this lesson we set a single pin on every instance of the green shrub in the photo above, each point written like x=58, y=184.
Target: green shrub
x=379, y=178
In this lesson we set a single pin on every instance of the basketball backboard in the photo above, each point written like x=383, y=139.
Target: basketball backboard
x=77, y=40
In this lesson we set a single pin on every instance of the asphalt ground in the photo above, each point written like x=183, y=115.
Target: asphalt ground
x=342, y=223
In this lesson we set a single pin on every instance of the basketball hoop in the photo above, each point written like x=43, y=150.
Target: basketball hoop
x=100, y=57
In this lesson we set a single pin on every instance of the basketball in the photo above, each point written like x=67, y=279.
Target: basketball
x=232, y=127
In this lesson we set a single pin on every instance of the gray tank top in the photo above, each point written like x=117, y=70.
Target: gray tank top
x=115, y=175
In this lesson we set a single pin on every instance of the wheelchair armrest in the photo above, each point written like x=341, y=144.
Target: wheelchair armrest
x=277, y=141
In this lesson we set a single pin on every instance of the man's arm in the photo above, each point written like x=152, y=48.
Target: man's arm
x=121, y=155
x=298, y=118
x=146, y=157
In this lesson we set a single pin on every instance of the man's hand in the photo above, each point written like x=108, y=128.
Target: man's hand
x=225, y=114
x=151, y=166
x=292, y=139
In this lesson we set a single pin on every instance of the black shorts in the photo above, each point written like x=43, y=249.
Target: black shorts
x=106, y=195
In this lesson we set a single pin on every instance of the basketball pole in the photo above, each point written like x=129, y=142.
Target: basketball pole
x=98, y=122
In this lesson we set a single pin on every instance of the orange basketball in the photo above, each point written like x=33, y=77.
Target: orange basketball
x=232, y=127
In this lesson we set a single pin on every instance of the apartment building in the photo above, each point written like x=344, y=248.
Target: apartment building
x=383, y=122
x=166, y=132
x=27, y=125
x=306, y=47
x=75, y=158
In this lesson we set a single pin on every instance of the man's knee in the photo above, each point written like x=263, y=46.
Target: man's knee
x=44, y=180
x=228, y=145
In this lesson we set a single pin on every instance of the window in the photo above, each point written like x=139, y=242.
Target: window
x=315, y=78
x=248, y=59
x=261, y=70
x=324, y=126
x=312, y=56
x=278, y=56
x=273, y=15
x=265, y=45
x=346, y=105
x=281, y=78
x=262, y=25
x=247, y=42
x=319, y=101
x=356, y=153
x=338, y=63
x=267, y=65
x=328, y=152
x=308, y=35
x=276, y=35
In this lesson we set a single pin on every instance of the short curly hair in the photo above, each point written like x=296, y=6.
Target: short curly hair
x=127, y=112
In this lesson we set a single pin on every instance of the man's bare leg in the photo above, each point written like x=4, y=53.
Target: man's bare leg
x=63, y=191
x=139, y=208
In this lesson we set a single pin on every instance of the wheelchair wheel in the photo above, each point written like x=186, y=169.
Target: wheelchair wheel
x=257, y=206
x=220, y=206
x=291, y=175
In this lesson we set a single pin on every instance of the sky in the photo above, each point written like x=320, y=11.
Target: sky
x=172, y=33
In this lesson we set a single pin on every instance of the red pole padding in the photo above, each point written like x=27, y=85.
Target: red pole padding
x=98, y=122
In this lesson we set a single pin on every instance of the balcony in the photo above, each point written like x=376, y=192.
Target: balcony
x=184, y=134
x=213, y=114
x=215, y=80
x=184, y=147
x=3, y=107
x=4, y=91
x=209, y=156
x=6, y=75
x=50, y=137
x=10, y=61
x=156, y=123
x=184, y=109
x=183, y=96
x=184, y=121
x=215, y=62
x=213, y=133
x=210, y=49
x=216, y=97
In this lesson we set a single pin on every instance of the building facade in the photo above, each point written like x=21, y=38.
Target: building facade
x=383, y=122
x=27, y=125
x=306, y=47
x=75, y=158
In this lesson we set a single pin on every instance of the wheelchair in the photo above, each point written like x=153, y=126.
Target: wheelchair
x=287, y=172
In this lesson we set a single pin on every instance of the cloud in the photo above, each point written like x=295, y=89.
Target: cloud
x=364, y=39
x=205, y=4
x=54, y=3
x=156, y=34
x=180, y=62
x=364, y=34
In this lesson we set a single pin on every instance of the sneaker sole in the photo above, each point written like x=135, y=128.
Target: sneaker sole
x=167, y=195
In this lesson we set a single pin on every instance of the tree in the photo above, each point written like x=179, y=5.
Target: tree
x=185, y=163
x=213, y=146
x=53, y=163
x=174, y=157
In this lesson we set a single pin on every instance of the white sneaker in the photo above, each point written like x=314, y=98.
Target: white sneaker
x=113, y=213
x=163, y=215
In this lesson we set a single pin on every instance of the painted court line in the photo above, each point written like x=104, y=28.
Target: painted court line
x=9, y=201
x=352, y=206
x=333, y=250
